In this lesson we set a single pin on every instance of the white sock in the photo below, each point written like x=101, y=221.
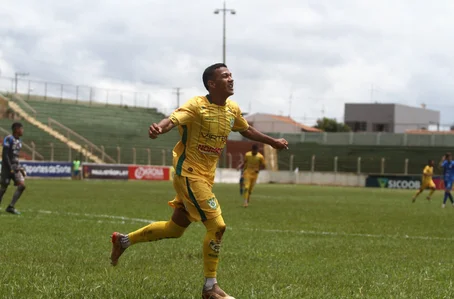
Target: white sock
x=209, y=283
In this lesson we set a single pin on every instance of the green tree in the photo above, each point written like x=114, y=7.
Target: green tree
x=331, y=125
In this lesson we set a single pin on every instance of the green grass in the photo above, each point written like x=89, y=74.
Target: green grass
x=292, y=242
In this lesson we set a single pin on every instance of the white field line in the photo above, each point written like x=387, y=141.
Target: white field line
x=102, y=216
x=124, y=220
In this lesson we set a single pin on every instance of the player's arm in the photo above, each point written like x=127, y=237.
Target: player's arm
x=426, y=172
x=241, y=166
x=162, y=127
x=7, y=150
x=442, y=162
x=242, y=126
x=253, y=134
x=262, y=163
x=182, y=116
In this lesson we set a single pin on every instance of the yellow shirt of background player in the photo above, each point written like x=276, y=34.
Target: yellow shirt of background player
x=204, y=128
x=428, y=173
x=252, y=163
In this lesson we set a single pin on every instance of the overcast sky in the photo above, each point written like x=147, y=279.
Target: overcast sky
x=320, y=53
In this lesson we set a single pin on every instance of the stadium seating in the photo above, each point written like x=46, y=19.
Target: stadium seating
x=126, y=127
x=104, y=125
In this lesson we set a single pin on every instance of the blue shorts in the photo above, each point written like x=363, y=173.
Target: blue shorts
x=448, y=184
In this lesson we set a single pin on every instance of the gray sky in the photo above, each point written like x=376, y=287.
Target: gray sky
x=323, y=53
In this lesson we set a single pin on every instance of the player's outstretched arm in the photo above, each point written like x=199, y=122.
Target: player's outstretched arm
x=440, y=165
x=162, y=127
x=253, y=134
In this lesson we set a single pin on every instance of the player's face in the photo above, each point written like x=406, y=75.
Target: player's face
x=19, y=131
x=223, y=81
x=254, y=152
x=431, y=163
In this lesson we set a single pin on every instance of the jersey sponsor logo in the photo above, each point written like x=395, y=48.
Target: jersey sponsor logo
x=215, y=137
x=212, y=203
x=206, y=149
x=232, y=122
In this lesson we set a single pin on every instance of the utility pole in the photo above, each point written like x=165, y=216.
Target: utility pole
x=224, y=11
x=178, y=93
x=16, y=76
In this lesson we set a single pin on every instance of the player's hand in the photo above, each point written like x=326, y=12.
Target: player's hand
x=280, y=144
x=443, y=158
x=154, y=131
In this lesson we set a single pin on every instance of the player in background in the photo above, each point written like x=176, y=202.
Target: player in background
x=204, y=123
x=448, y=175
x=76, y=169
x=427, y=181
x=252, y=163
x=11, y=169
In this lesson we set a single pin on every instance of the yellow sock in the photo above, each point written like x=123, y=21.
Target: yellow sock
x=245, y=194
x=417, y=193
x=431, y=192
x=212, y=245
x=156, y=231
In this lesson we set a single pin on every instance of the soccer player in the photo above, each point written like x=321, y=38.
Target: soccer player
x=204, y=123
x=11, y=169
x=427, y=181
x=448, y=174
x=252, y=163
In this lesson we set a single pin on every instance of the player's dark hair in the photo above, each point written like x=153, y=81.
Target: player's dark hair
x=16, y=126
x=255, y=147
x=209, y=72
x=447, y=155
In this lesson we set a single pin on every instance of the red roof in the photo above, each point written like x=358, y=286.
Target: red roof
x=429, y=132
x=288, y=120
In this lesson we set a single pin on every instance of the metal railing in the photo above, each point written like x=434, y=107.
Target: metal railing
x=18, y=98
x=70, y=134
x=428, y=139
x=356, y=165
x=31, y=148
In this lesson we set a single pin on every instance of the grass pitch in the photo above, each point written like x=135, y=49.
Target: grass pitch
x=292, y=242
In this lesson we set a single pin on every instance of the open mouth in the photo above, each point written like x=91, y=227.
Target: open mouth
x=230, y=85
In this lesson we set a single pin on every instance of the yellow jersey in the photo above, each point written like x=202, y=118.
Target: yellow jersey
x=252, y=163
x=204, y=128
x=428, y=172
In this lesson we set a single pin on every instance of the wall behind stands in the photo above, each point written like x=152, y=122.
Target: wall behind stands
x=302, y=177
x=371, y=157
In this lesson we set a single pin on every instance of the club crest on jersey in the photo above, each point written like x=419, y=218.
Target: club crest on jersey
x=212, y=203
